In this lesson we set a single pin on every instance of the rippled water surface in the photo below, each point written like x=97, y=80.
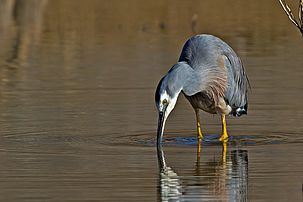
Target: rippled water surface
x=77, y=114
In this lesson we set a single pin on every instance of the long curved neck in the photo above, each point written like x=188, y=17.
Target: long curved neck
x=178, y=75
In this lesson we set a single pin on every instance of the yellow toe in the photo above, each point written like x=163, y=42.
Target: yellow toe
x=200, y=135
x=224, y=137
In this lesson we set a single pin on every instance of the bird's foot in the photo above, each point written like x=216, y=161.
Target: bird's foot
x=199, y=135
x=224, y=137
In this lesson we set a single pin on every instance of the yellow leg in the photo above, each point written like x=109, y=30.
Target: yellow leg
x=224, y=150
x=200, y=136
x=198, y=157
x=224, y=136
x=198, y=149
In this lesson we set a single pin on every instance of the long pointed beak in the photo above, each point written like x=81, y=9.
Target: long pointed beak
x=161, y=158
x=161, y=123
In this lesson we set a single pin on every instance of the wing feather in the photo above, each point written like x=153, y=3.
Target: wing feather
x=217, y=70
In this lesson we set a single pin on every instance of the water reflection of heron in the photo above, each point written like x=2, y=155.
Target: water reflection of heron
x=225, y=178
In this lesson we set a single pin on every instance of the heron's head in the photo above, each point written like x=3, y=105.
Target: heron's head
x=166, y=98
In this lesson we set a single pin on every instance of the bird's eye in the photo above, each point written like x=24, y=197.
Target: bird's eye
x=164, y=101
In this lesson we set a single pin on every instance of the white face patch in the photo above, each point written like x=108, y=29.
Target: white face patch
x=170, y=100
x=163, y=96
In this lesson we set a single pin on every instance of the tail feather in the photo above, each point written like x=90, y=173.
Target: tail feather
x=241, y=110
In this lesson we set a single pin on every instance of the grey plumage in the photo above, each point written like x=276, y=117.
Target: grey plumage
x=210, y=75
x=219, y=70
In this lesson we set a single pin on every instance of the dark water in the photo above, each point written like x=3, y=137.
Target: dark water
x=77, y=113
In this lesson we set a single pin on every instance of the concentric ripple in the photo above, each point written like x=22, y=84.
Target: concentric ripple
x=29, y=141
x=188, y=138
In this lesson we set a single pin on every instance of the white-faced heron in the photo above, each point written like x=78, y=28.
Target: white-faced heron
x=211, y=76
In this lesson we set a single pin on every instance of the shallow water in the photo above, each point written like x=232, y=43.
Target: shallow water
x=78, y=119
